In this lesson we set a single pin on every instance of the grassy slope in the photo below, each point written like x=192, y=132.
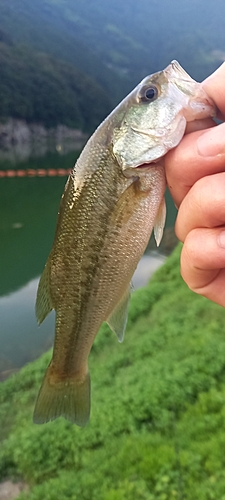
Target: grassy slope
x=157, y=428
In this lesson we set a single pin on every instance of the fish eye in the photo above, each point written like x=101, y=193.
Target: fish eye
x=149, y=93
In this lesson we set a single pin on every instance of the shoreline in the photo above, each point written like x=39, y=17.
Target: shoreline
x=148, y=264
x=19, y=140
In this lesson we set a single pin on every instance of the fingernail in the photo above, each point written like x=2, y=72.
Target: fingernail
x=212, y=142
x=221, y=239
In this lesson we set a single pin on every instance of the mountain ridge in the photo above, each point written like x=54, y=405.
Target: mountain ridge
x=115, y=45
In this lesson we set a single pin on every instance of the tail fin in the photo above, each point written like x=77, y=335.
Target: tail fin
x=68, y=398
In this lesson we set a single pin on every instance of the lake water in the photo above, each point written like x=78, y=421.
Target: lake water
x=28, y=213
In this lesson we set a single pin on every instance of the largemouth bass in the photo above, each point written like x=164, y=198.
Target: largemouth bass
x=112, y=200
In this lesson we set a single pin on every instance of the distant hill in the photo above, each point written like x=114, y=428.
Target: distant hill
x=38, y=88
x=131, y=38
x=49, y=27
x=115, y=43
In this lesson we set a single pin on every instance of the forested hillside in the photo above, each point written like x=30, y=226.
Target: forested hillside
x=55, y=44
x=132, y=38
x=38, y=88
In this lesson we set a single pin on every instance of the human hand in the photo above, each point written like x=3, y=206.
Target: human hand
x=196, y=178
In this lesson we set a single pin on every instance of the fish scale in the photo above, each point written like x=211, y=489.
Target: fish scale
x=112, y=200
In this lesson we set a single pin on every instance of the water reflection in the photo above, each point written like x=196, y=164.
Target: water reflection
x=28, y=213
x=20, y=142
x=20, y=337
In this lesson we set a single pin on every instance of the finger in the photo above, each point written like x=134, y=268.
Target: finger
x=203, y=206
x=214, y=87
x=199, y=154
x=203, y=263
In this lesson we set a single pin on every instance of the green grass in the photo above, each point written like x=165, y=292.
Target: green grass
x=157, y=428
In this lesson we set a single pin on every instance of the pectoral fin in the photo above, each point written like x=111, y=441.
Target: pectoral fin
x=43, y=302
x=160, y=222
x=118, y=319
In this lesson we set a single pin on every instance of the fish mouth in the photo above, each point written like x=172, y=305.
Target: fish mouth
x=138, y=168
x=146, y=165
x=142, y=168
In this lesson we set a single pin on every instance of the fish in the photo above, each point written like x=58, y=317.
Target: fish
x=113, y=199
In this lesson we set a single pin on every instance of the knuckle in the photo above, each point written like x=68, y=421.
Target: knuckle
x=191, y=249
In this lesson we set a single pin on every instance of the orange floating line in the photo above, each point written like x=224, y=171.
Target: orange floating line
x=61, y=171
x=40, y=172
x=31, y=172
x=10, y=173
x=52, y=172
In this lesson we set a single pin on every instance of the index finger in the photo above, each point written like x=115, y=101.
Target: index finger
x=189, y=161
x=214, y=87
